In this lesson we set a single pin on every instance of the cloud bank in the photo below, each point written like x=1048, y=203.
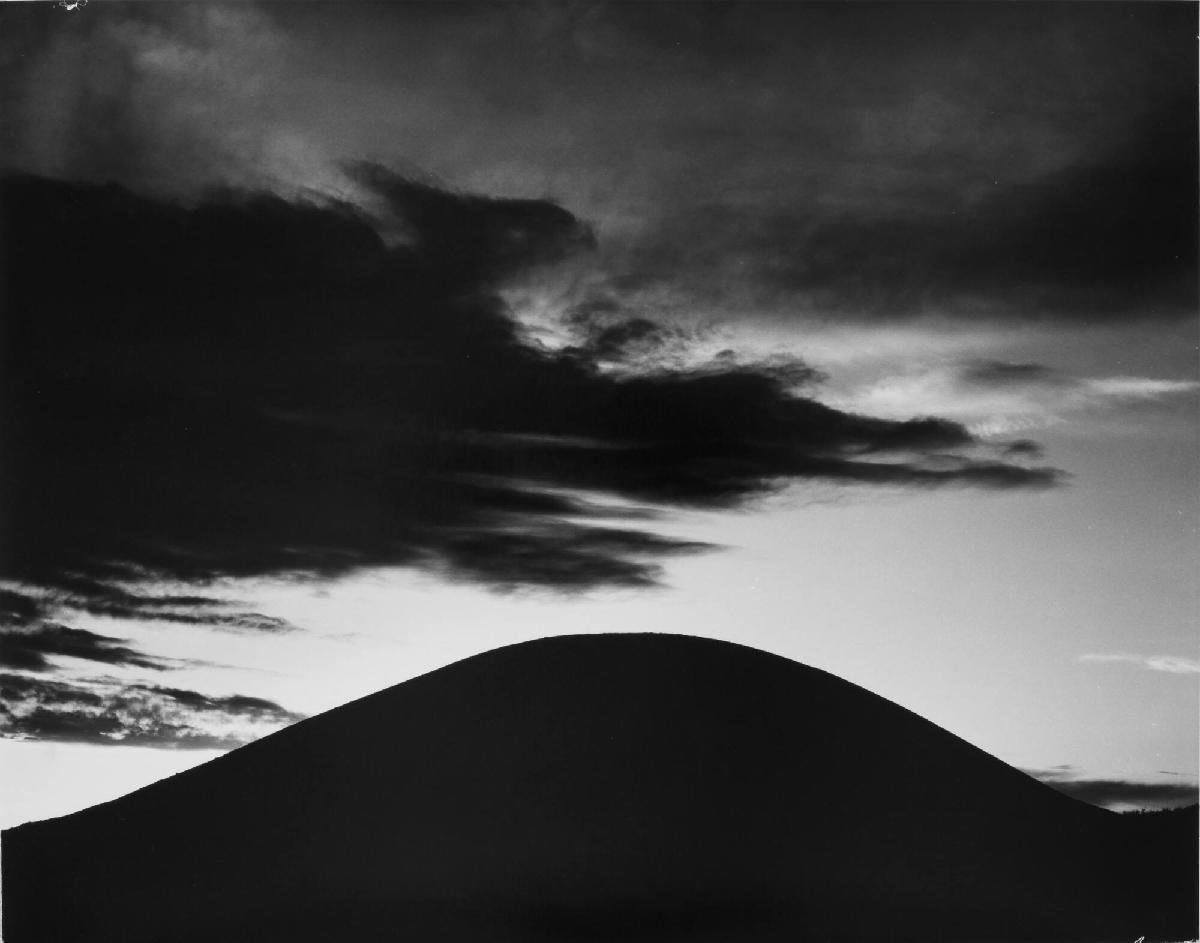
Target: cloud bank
x=258, y=386
x=805, y=163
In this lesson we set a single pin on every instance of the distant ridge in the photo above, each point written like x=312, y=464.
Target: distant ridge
x=604, y=788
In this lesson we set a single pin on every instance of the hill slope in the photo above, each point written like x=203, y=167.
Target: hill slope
x=621, y=787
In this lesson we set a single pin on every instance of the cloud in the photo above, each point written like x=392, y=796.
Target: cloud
x=1000, y=373
x=107, y=713
x=947, y=193
x=559, y=554
x=1109, y=238
x=1116, y=793
x=1097, y=240
x=1137, y=388
x=1022, y=448
x=1010, y=164
x=31, y=618
x=602, y=333
x=27, y=649
x=260, y=386
x=72, y=592
x=997, y=397
x=1121, y=792
x=172, y=97
x=1171, y=664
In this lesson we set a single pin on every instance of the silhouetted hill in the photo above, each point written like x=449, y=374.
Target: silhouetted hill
x=592, y=788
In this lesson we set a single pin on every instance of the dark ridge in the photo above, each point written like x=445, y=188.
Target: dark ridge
x=603, y=788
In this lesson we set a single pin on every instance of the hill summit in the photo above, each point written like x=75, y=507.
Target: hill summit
x=603, y=788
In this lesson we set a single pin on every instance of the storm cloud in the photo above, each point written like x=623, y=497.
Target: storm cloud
x=1112, y=239
x=804, y=162
x=253, y=386
x=930, y=186
x=788, y=161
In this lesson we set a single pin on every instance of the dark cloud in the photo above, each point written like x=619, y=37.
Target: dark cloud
x=31, y=630
x=18, y=609
x=1022, y=448
x=1111, y=238
x=255, y=386
x=1040, y=164
x=617, y=340
x=28, y=648
x=882, y=161
x=72, y=592
x=560, y=554
x=1116, y=792
x=1108, y=239
x=1001, y=373
x=100, y=712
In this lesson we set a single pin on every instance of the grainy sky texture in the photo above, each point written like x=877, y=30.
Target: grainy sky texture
x=343, y=340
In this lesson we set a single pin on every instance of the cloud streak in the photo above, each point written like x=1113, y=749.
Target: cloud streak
x=1170, y=664
x=1115, y=792
x=31, y=649
x=997, y=397
x=107, y=713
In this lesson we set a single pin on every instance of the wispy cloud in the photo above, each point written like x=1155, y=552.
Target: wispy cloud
x=106, y=712
x=32, y=648
x=1171, y=664
x=995, y=397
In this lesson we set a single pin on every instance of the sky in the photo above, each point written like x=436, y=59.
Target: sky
x=343, y=341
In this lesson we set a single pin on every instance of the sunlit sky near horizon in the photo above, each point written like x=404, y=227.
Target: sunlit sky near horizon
x=796, y=233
